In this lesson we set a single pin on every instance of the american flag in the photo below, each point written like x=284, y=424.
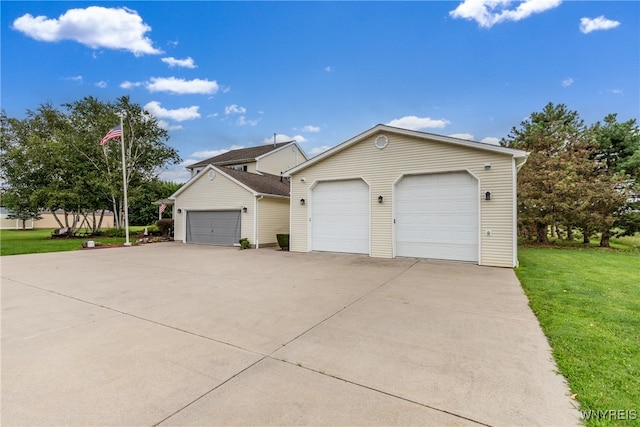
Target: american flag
x=162, y=207
x=116, y=132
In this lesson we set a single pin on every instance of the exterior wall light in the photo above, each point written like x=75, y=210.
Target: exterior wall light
x=302, y=202
x=179, y=210
x=380, y=199
x=487, y=195
x=244, y=209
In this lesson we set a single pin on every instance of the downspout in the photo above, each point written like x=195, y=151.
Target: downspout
x=255, y=221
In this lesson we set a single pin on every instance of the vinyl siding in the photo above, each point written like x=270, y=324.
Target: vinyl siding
x=409, y=155
x=273, y=218
x=220, y=193
x=280, y=160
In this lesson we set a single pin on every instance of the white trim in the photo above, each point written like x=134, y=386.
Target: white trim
x=422, y=135
x=200, y=175
x=514, y=189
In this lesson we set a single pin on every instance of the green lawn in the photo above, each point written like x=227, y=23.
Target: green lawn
x=17, y=242
x=588, y=303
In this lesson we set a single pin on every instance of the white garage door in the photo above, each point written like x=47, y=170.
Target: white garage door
x=437, y=216
x=213, y=227
x=340, y=217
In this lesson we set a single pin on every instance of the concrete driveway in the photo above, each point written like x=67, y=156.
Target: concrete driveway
x=172, y=334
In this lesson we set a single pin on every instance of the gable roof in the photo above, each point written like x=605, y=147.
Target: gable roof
x=263, y=184
x=241, y=155
x=519, y=155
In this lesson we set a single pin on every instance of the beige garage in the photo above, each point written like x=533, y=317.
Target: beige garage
x=392, y=192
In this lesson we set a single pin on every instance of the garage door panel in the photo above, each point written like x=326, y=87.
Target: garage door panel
x=437, y=216
x=340, y=217
x=213, y=227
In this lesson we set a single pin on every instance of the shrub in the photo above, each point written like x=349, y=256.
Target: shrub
x=165, y=226
x=113, y=232
x=244, y=243
x=283, y=241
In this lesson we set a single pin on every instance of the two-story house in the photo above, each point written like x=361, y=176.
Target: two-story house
x=237, y=194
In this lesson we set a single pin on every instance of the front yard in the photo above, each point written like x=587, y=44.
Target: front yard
x=18, y=242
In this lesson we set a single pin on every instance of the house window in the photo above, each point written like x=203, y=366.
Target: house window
x=242, y=168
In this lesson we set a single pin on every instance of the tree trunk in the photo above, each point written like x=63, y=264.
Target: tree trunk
x=541, y=233
x=57, y=219
x=585, y=237
x=569, y=233
x=604, y=240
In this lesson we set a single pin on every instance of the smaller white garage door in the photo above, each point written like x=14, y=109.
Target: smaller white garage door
x=213, y=227
x=340, y=217
x=437, y=216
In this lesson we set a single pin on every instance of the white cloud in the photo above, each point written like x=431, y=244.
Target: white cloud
x=95, y=27
x=328, y=69
x=417, y=123
x=201, y=155
x=311, y=129
x=243, y=121
x=129, y=85
x=181, y=86
x=466, y=136
x=184, y=63
x=490, y=12
x=280, y=137
x=163, y=124
x=101, y=84
x=175, y=173
x=618, y=91
x=179, y=114
x=567, y=82
x=318, y=150
x=234, y=109
x=77, y=79
x=588, y=25
x=491, y=140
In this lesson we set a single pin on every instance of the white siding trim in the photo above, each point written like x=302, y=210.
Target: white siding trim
x=514, y=186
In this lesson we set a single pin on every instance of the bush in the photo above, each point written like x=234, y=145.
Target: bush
x=165, y=226
x=283, y=241
x=113, y=232
x=244, y=243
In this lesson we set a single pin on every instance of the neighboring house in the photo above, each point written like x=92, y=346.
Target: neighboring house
x=238, y=194
x=47, y=220
x=392, y=192
x=12, y=224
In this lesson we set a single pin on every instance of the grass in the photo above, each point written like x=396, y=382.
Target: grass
x=588, y=303
x=18, y=242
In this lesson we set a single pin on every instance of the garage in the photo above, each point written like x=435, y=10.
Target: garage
x=340, y=216
x=213, y=227
x=391, y=192
x=437, y=216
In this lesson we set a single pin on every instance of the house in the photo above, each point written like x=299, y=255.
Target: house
x=238, y=194
x=47, y=220
x=392, y=192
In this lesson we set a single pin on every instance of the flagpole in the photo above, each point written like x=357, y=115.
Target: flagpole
x=124, y=183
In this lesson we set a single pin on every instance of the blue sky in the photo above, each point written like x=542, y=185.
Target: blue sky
x=223, y=75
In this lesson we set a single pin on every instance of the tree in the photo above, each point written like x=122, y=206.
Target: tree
x=575, y=176
x=554, y=137
x=141, y=210
x=55, y=157
x=618, y=159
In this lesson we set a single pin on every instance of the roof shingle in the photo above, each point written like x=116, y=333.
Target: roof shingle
x=264, y=184
x=240, y=155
